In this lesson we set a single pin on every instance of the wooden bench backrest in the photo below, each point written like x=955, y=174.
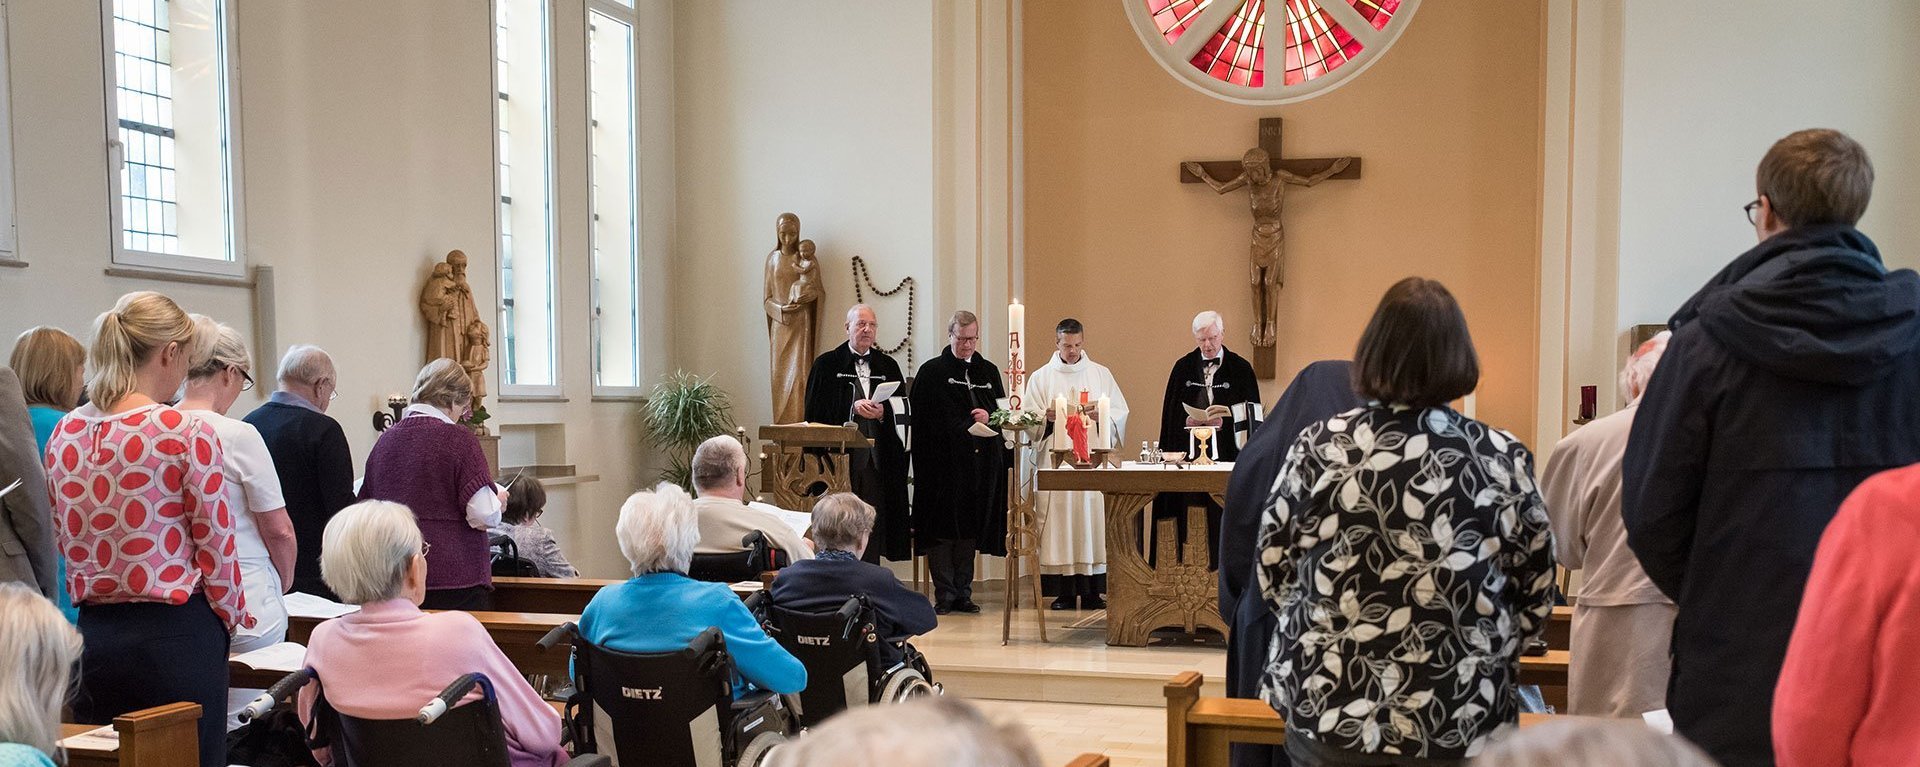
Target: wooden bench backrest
x=162, y=736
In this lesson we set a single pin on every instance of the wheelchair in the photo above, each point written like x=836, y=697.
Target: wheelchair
x=842, y=645
x=507, y=561
x=671, y=708
x=445, y=733
x=758, y=556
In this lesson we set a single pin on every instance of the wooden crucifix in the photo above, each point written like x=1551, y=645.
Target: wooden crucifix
x=1267, y=175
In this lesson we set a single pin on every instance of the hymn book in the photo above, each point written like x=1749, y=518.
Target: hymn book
x=1215, y=411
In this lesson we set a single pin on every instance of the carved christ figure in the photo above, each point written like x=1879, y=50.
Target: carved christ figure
x=1269, y=190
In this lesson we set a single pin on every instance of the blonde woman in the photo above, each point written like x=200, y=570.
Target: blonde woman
x=263, y=536
x=37, y=650
x=145, y=528
x=434, y=466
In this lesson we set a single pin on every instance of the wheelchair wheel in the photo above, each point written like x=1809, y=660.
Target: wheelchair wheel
x=906, y=685
x=758, y=749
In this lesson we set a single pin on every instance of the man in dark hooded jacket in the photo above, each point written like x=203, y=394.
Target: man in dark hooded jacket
x=1792, y=375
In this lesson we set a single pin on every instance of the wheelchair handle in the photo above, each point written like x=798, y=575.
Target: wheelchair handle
x=280, y=690
x=847, y=614
x=559, y=634
x=447, y=698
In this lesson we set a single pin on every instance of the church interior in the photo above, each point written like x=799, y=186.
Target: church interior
x=663, y=209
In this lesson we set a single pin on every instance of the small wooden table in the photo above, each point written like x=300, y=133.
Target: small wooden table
x=1181, y=590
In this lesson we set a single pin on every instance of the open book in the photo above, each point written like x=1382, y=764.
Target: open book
x=1216, y=411
x=285, y=656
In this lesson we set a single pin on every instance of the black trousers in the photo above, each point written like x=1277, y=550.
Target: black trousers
x=951, y=564
x=1073, y=585
x=144, y=654
x=469, y=598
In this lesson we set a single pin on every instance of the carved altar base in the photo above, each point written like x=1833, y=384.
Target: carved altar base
x=1179, y=591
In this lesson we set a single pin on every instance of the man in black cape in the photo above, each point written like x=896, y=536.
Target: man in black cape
x=960, y=478
x=840, y=390
x=1324, y=389
x=1209, y=375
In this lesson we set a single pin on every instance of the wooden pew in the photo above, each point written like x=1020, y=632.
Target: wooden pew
x=1199, y=730
x=1560, y=628
x=162, y=736
x=518, y=635
x=546, y=595
x=1089, y=760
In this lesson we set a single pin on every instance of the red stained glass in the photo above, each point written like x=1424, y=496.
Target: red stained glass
x=1173, y=17
x=1376, y=12
x=1315, y=45
x=1235, y=54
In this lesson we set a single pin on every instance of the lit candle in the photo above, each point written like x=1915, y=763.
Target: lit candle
x=1016, y=317
x=1016, y=364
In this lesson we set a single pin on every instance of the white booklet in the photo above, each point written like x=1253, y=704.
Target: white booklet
x=1659, y=719
x=885, y=391
x=303, y=605
x=102, y=738
x=286, y=656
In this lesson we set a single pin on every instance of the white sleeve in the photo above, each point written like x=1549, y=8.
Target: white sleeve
x=247, y=458
x=483, y=509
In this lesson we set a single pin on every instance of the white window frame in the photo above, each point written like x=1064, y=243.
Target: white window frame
x=630, y=15
x=233, y=264
x=557, y=388
x=9, y=233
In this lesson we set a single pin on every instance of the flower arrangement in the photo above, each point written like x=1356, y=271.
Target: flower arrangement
x=1015, y=420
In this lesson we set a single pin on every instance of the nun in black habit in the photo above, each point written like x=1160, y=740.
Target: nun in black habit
x=1322, y=390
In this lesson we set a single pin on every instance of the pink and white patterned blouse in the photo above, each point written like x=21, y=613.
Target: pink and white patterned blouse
x=139, y=510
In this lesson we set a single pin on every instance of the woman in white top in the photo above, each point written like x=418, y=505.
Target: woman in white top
x=262, y=532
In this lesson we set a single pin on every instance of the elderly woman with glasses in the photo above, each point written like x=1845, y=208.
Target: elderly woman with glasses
x=661, y=610
x=435, y=466
x=388, y=658
x=842, y=525
x=262, y=534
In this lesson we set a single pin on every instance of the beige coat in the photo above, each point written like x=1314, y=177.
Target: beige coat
x=724, y=521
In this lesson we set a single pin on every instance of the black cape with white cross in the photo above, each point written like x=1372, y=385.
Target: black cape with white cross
x=878, y=476
x=959, y=480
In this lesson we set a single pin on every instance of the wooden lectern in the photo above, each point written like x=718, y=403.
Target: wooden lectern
x=798, y=459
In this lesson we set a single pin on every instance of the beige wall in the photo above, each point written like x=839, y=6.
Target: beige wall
x=1447, y=124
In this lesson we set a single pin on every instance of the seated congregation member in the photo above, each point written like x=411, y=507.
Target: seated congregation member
x=389, y=658
x=51, y=366
x=842, y=527
x=262, y=535
x=1845, y=692
x=431, y=464
x=923, y=732
x=38, y=648
x=1622, y=624
x=145, y=528
x=526, y=502
x=310, y=454
x=1574, y=741
x=720, y=475
x=661, y=610
x=1790, y=379
x=1406, y=553
x=27, y=553
x=1322, y=390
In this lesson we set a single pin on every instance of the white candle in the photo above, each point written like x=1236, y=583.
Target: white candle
x=1060, y=412
x=1016, y=317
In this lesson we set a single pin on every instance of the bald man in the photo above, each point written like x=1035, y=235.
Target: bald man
x=841, y=389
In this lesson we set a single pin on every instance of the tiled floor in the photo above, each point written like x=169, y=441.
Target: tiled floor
x=1062, y=690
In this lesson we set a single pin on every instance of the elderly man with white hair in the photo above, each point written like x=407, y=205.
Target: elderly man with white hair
x=848, y=385
x=1621, y=623
x=842, y=527
x=1209, y=375
x=310, y=454
x=720, y=476
x=661, y=609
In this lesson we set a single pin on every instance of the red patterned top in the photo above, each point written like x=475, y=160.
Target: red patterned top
x=141, y=517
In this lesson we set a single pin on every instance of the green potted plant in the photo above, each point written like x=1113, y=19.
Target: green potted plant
x=682, y=411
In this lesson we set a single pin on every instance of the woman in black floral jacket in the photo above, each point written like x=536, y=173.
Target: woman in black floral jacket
x=1406, y=554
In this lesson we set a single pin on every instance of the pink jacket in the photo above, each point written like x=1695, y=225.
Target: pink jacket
x=1845, y=694
x=390, y=658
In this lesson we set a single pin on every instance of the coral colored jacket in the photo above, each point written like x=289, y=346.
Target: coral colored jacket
x=1846, y=691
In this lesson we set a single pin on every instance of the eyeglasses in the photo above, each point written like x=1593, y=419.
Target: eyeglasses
x=246, y=381
x=426, y=547
x=1752, y=210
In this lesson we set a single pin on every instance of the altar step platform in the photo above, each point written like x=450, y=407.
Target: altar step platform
x=1076, y=667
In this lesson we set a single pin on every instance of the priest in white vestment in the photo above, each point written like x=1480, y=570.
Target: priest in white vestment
x=1073, y=537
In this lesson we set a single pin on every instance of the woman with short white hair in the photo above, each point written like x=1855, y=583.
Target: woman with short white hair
x=262, y=533
x=435, y=466
x=841, y=526
x=924, y=732
x=390, y=657
x=38, y=648
x=662, y=610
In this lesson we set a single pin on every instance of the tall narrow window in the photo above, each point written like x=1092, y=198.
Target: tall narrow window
x=9, y=244
x=526, y=333
x=171, y=110
x=614, y=190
